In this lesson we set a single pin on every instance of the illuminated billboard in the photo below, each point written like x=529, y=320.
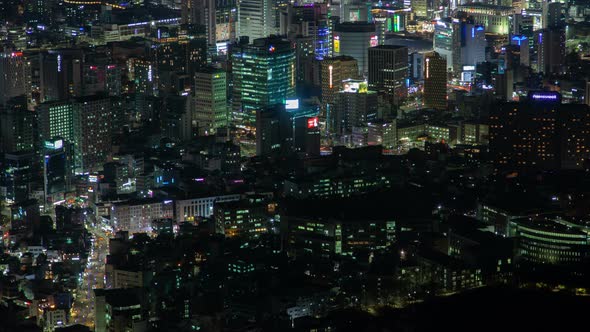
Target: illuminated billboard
x=374, y=41
x=292, y=104
x=54, y=145
x=337, y=44
x=222, y=31
x=355, y=86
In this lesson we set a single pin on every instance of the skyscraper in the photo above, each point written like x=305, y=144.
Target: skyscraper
x=460, y=42
x=388, y=70
x=550, y=50
x=57, y=169
x=256, y=19
x=435, y=81
x=210, y=102
x=416, y=66
x=309, y=21
x=12, y=76
x=332, y=72
x=551, y=17
x=523, y=48
x=61, y=74
x=354, y=39
x=218, y=17
x=444, y=40
x=472, y=45
x=144, y=74
x=310, y=28
x=93, y=131
x=17, y=126
x=263, y=75
x=56, y=119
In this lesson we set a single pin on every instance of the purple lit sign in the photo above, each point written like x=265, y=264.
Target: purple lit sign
x=539, y=96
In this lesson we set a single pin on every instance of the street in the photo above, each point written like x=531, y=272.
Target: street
x=82, y=311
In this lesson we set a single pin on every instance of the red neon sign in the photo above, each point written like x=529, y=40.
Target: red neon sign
x=312, y=122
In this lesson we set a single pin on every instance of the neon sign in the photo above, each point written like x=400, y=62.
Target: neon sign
x=540, y=96
x=519, y=39
x=312, y=122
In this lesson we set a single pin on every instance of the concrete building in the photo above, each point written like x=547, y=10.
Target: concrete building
x=435, y=81
x=137, y=216
x=190, y=209
x=210, y=101
x=354, y=39
x=13, y=76
x=388, y=70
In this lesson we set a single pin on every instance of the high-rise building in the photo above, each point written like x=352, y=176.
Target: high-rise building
x=210, y=101
x=257, y=19
x=177, y=118
x=504, y=84
x=416, y=64
x=472, y=45
x=263, y=75
x=388, y=70
x=551, y=17
x=420, y=8
x=218, y=17
x=354, y=11
x=460, y=42
x=17, y=126
x=56, y=119
x=309, y=21
x=306, y=135
x=12, y=76
x=61, y=74
x=57, y=169
x=24, y=216
x=331, y=74
x=523, y=48
x=18, y=175
x=354, y=39
x=540, y=133
x=274, y=131
x=435, y=81
x=496, y=19
x=355, y=107
x=101, y=78
x=550, y=50
x=92, y=131
x=145, y=76
x=444, y=40
x=38, y=12
x=523, y=25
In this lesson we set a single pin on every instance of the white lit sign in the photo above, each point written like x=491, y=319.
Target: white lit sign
x=292, y=104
